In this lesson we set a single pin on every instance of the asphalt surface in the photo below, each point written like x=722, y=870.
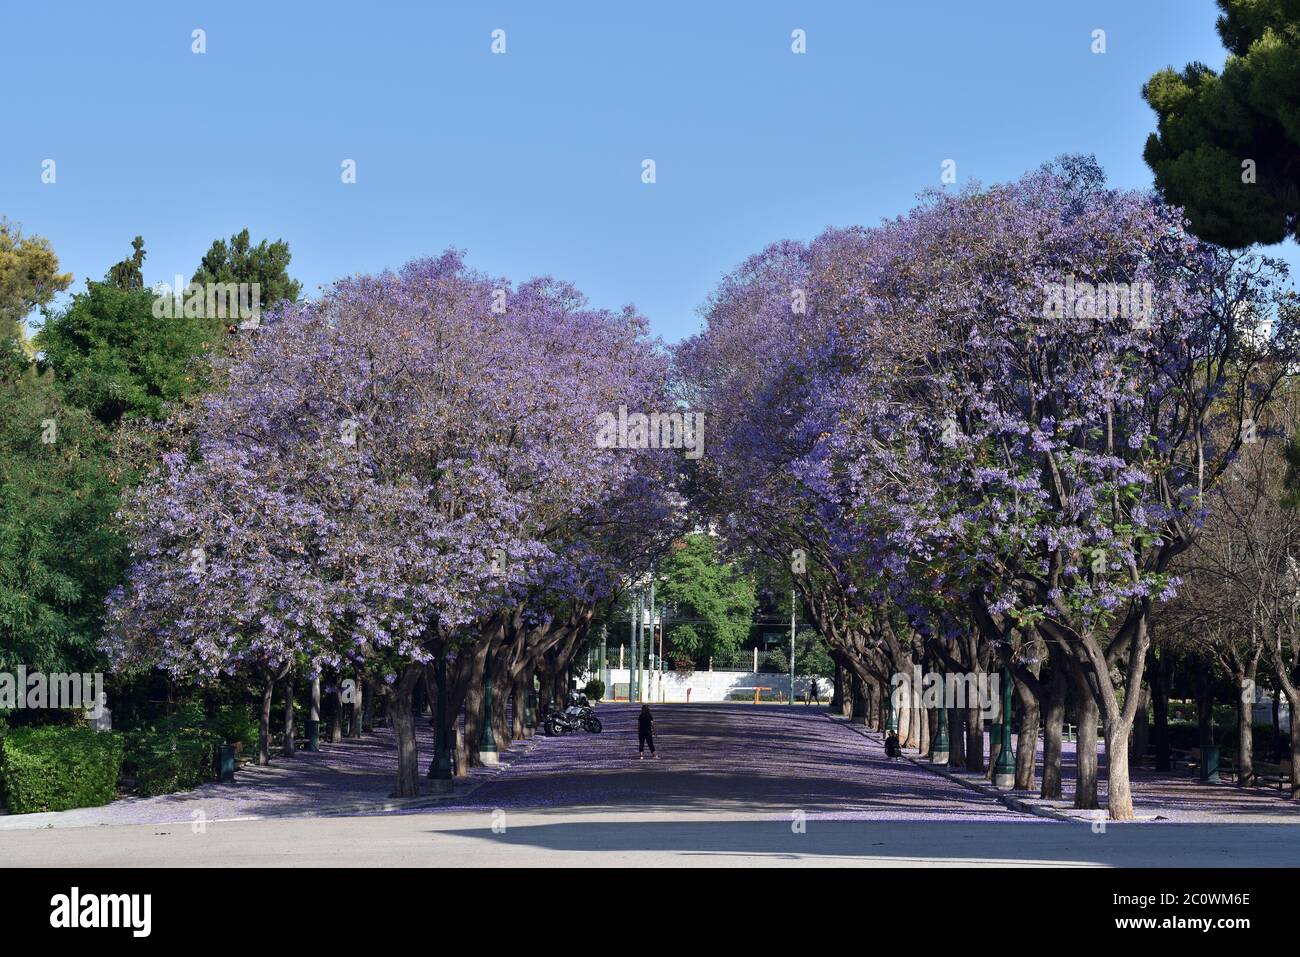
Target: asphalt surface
x=734, y=785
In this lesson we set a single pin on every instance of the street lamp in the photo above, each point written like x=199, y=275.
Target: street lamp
x=1004, y=772
x=891, y=713
x=792, y=647
x=942, y=746
x=487, y=749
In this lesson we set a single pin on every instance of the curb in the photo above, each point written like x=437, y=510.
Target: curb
x=1014, y=803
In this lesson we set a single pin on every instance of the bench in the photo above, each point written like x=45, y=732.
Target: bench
x=1283, y=775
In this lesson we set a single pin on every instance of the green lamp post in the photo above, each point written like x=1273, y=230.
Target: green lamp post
x=1004, y=773
x=440, y=770
x=891, y=713
x=487, y=749
x=941, y=744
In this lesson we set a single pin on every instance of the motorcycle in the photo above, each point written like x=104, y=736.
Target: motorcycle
x=572, y=718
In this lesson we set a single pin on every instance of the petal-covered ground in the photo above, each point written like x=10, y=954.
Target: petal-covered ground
x=731, y=757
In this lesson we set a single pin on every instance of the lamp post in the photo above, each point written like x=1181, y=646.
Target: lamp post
x=792, y=647
x=487, y=748
x=631, y=663
x=1004, y=772
x=604, y=659
x=652, y=629
x=942, y=746
x=891, y=714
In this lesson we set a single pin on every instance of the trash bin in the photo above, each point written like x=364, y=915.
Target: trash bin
x=226, y=762
x=1209, y=762
x=313, y=735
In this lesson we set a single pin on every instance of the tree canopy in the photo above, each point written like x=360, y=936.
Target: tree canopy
x=1227, y=144
x=715, y=599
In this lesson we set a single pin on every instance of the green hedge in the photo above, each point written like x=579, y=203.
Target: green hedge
x=595, y=689
x=162, y=762
x=57, y=767
x=179, y=752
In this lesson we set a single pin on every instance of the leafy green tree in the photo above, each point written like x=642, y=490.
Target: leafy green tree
x=811, y=656
x=129, y=273
x=714, y=597
x=29, y=279
x=266, y=264
x=1227, y=145
x=114, y=357
x=60, y=550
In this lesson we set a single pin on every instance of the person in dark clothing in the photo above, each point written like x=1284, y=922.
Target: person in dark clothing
x=892, y=749
x=645, y=733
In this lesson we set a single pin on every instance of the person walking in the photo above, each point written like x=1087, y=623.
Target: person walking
x=645, y=732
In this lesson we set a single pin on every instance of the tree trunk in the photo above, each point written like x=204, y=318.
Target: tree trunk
x=501, y=689
x=336, y=719
x=956, y=737
x=358, y=705
x=1141, y=727
x=1053, y=725
x=1294, y=701
x=1119, y=791
x=1245, y=731
x=1204, y=704
x=264, y=724
x=287, y=748
x=474, y=696
x=1027, y=742
x=1160, y=677
x=402, y=710
x=974, y=738
x=859, y=694
x=519, y=703
x=1085, y=708
x=372, y=701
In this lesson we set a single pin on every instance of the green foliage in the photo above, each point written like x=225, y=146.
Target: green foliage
x=812, y=655
x=718, y=598
x=29, y=279
x=1209, y=124
x=166, y=762
x=179, y=752
x=54, y=768
x=595, y=689
x=266, y=264
x=60, y=547
x=112, y=356
x=129, y=273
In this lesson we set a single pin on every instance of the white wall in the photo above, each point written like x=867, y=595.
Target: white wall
x=709, y=685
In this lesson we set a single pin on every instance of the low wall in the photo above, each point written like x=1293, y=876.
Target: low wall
x=709, y=685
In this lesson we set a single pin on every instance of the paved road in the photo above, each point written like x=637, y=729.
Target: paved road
x=766, y=761
x=734, y=786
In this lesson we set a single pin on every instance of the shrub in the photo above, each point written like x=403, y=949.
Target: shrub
x=595, y=689
x=54, y=768
x=236, y=725
x=163, y=762
x=179, y=752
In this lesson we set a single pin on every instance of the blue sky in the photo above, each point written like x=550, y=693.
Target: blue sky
x=531, y=160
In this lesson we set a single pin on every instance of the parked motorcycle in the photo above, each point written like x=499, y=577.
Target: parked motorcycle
x=573, y=718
